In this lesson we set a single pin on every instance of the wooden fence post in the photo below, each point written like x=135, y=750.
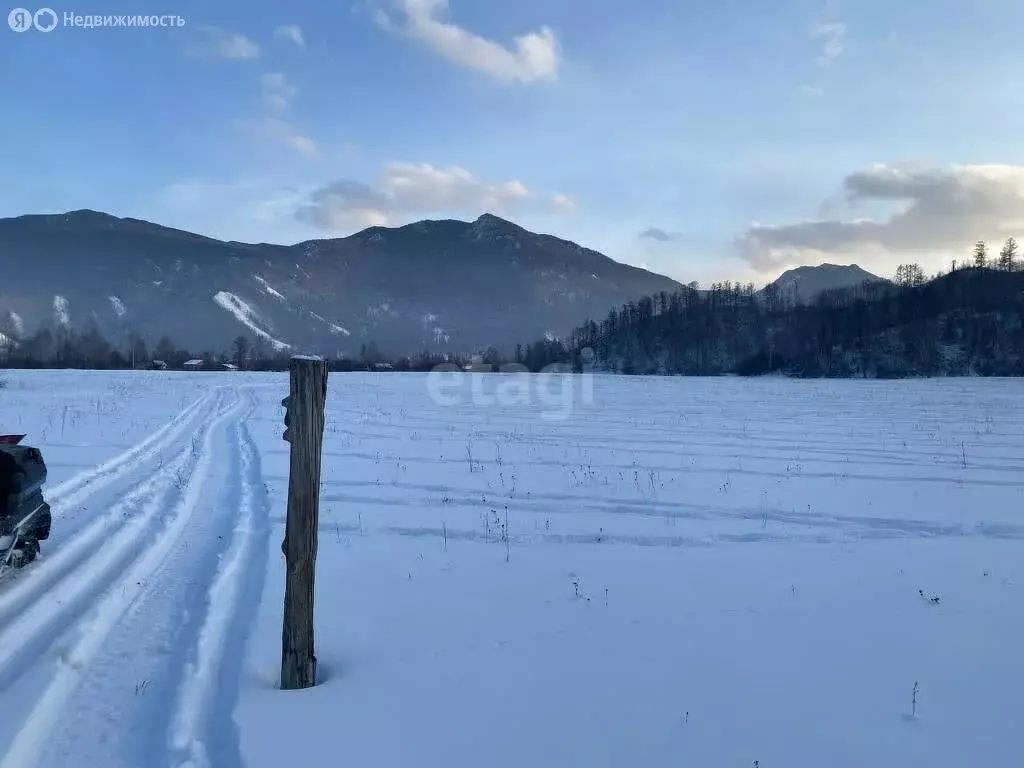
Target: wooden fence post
x=304, y=429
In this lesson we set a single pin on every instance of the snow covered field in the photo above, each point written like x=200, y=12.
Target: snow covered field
x=695, y=572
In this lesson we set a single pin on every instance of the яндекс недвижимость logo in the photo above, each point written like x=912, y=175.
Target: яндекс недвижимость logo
x=22, y=19
x=47, y=20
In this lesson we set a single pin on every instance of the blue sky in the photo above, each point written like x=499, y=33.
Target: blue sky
x=705, y=140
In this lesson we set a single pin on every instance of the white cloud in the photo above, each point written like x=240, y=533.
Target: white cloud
x=939, y=213
x=834, y=36
x=277, y=94
x=658, y=234
x=276, y=129
x=250, y=209
x=221, y=44
x=303, y=144
x=404, y=190
x=564, y=202
x=277, y=91
x=292, y=32
x=534, y=56
x=810, y=92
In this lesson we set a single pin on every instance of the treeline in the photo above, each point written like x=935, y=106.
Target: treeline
x=66, y=348
x=967, y=322
x=62, y=347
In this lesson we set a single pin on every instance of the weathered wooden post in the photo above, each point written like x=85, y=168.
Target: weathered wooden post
x=304, y=429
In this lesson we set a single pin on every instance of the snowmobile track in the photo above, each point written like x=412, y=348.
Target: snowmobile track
x=72, y=543
x=77, y=489
x=19, y=588
x=110, y=583
x=202, y=725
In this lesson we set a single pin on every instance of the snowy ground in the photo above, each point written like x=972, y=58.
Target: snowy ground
x=703, y=572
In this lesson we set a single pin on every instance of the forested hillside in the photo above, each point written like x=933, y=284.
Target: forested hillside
x=970, y=321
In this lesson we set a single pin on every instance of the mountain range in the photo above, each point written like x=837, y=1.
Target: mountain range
x=441, y=285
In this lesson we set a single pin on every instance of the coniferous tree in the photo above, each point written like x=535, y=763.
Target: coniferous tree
x=165, y=350
x=980, y=254
x=1008, y=255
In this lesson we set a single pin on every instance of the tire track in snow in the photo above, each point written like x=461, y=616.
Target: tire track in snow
x=203, y=724
x=77, y=489
x=31, y=741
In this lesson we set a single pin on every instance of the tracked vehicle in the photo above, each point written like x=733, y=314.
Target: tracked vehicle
x=24, y=514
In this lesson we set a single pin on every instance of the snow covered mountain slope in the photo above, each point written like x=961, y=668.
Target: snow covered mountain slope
x=440, y=285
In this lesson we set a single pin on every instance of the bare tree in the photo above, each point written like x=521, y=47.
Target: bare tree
x=241, y=347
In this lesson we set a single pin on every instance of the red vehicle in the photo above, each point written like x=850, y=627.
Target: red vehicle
x=24, y=514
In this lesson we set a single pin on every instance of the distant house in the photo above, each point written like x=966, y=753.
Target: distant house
x=193, y=365
x=158, y=365
x=383, y=367
x=229, y=366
